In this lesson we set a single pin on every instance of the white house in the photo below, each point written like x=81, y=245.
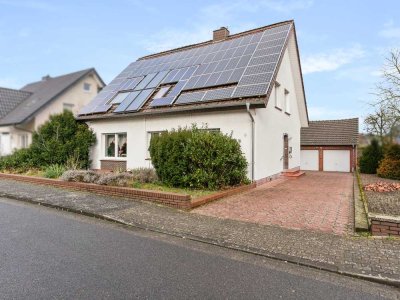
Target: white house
x=23, y=111
x=248, y=84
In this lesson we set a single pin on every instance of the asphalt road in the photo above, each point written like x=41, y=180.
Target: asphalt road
x=50, y=254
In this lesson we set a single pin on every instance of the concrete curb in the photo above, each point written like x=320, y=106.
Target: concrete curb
x=272, y=255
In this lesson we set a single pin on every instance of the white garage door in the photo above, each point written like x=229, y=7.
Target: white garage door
x=337, y=160
x=309, y=160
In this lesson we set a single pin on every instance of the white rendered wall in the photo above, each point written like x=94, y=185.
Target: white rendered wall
x=236, y=122
x=273, y=123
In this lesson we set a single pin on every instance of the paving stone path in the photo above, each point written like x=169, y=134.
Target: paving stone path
x=321, y=201
x=378, y=258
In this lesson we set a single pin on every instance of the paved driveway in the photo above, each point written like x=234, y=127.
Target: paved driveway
x=321, y=201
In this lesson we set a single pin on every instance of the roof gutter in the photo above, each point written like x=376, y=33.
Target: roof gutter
x=252, y=140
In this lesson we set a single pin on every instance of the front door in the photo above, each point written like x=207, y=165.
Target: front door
x=285, y=152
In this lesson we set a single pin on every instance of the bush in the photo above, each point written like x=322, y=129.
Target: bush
x=60, y=140
x=370, y=158
x=140, y=175
x=54, y=171
x=390, y=165
x=197, y=158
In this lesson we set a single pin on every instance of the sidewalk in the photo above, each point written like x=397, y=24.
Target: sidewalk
x=375, y=259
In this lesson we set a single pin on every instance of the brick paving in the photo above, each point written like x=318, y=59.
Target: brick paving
x=366, y=257
x=320, y=201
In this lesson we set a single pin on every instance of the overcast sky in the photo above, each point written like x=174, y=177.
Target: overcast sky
x=342, y=43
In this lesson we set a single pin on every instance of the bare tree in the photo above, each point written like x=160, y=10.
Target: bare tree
x=382, y=122
x=386, y=116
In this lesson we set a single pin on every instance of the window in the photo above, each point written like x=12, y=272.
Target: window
x=68, y=106
x=287, y=102
x=277, y=95
x=119, y=98
x=86, y=87
x=116, y=145
x=162, y=92
x=150, y=135
x=23, y=140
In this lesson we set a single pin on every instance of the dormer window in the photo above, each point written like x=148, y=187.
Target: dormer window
x=162, y=92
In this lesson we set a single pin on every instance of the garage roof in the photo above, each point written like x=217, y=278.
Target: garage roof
x=330, y=133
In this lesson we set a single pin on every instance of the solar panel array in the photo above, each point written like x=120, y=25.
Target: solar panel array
x=235, y=68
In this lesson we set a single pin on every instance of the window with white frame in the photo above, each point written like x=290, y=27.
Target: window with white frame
x=87, y=87
x=68, y=106
x=150, y=135
x=277, y=95
x=23, y=140
x=115, y=145
x=287, y=101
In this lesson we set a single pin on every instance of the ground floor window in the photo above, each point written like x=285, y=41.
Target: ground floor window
x=23, y=141
x=115, y=144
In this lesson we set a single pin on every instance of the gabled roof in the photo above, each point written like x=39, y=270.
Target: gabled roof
x=212, y=74
x=330, y=133
x=10, y=98
x=32, y=97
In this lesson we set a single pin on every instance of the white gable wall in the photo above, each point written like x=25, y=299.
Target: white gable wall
x=272, y=123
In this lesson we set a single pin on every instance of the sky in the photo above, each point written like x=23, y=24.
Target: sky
x=342, y=44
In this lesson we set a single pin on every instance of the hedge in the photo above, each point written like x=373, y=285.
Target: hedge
x=198, y=158
x=390, y=165
x=370, y=158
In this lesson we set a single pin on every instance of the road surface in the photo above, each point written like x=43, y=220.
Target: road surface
x=46, y=253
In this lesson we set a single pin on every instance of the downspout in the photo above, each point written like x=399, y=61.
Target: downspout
x=252, y=140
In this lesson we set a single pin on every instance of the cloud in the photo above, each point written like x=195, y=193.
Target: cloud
x=390, y=31
x=336, y=58
x=213, y=16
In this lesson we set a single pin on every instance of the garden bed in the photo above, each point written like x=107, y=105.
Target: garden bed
x=384, y=203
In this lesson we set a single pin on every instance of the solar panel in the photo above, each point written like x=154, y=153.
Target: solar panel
x=127, y=101
x=248, y=62
x=139, y=100
x=165, y=101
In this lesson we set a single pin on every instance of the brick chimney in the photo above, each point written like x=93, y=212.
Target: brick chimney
x=220, y=34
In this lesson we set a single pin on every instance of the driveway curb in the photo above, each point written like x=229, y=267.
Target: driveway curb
x=272, y=255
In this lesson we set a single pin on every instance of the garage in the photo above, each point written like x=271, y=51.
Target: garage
x=309, y=160
x=329, y=145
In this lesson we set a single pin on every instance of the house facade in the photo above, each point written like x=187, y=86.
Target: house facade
x=24, y=111
x=247, y=84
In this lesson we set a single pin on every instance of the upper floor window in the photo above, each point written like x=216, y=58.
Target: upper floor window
x=87, y=87
x=287, y=101
x=277, y=95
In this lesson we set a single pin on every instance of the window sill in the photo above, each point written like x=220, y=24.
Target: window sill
x=278, y=108
x=149, y=159
x=114, y=158
x=287, y=113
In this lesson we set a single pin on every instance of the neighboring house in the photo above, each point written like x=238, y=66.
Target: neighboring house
x=23, y=111
x=248, y=84
x=330, y=145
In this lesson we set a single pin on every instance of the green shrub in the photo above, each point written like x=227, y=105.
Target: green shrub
x=197, y=158
x=61, y=140
x=54, y=171
x=370, y=158
x=389, y=167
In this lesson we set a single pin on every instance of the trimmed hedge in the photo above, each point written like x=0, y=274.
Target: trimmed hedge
x=390, y=165
x=370, y=158
x=198, y=158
